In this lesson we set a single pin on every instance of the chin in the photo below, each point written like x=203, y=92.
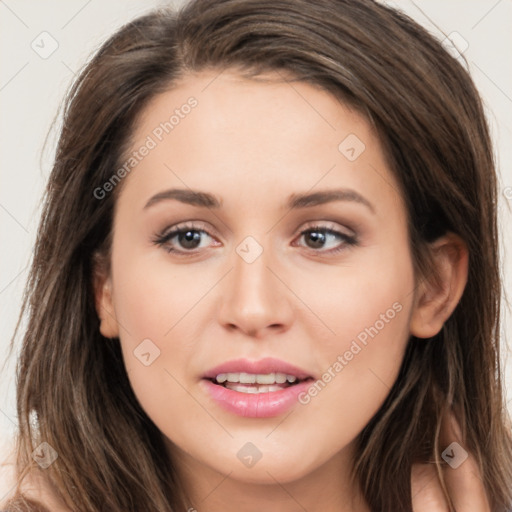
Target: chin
x=268, y=475
x=268, y=469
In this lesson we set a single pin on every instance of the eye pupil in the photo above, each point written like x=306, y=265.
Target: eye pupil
x=318, y=238
x=189, y=237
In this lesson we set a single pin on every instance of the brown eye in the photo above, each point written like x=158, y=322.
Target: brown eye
x=183, y=239
x=189, y=239
x=319, y=237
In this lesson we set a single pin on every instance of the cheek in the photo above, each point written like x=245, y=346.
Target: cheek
x=150, y=298
x=368, y=308
x=153, y=305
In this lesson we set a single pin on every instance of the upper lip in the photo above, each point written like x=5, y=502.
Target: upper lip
x=263, y=366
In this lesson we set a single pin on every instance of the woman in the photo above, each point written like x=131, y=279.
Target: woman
x=267, y=273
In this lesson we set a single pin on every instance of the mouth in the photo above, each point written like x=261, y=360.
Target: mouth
x=256, y=383
x=256, y=389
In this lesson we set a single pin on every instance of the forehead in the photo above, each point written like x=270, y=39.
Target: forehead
x=252, y=138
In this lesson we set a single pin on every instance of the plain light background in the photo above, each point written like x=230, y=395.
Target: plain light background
x=33, y=83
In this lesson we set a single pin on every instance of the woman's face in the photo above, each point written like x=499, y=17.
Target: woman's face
x=322, y=283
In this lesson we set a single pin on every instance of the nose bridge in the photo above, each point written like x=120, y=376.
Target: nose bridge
x=254, y=298
x=251, y=276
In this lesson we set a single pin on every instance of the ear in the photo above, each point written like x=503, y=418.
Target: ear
x=435, y=300
x=103, y=298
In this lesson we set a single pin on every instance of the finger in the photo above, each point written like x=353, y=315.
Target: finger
x=426, y=491
x=461, y=472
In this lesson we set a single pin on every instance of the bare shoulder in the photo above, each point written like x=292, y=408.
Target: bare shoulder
x=34, y=486
x=7, y=471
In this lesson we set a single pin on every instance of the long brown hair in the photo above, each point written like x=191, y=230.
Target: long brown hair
x=73, y=391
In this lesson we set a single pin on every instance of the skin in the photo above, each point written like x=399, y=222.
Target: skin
x=464, y=483
x=252, y=144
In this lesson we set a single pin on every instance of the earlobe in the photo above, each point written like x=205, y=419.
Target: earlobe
x=104, y=304
x=435, y=300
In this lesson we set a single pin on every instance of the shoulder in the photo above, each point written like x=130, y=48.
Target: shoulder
x=34, y=487
x=7, y=470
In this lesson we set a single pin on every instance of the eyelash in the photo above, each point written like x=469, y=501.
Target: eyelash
x=162, y=239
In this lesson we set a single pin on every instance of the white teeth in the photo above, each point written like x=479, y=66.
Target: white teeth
x=269, y=378
x=280, y=378
x=247, y=378
x=251, y=378
x=253, y=389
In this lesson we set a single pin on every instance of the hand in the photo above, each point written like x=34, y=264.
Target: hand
x=464, y=484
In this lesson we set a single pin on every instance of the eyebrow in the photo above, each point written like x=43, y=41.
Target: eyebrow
x=327, y=196
x=192, y=197
x=295, y=201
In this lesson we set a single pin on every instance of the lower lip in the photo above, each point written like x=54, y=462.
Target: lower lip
x=256, y=405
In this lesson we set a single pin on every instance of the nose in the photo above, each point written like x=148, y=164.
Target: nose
x=255, y=298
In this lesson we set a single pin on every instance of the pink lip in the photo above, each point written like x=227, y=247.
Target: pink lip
x=263, y=366
x=260, y=405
